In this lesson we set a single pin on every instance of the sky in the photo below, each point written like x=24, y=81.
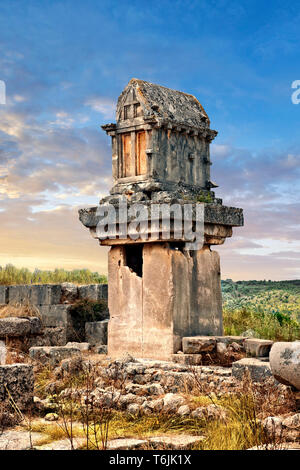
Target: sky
x=64, y=64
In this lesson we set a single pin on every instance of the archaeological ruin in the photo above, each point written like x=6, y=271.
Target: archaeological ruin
x=162, y=288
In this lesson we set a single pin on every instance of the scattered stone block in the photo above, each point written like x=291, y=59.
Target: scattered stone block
x=183, y=410
x=125, y=444
x=18, y=440
x=179, y=442
x=188, y=359
x=2, y=352
x=210, y=412
x=221, y=348
x=96, y=332
x=198, y=344
x=259, y=370
x=133, y=408
x=258, y=347
x=285, y=363
x=50, y=337
x=172, y=402
x=51, y=417
x=81, y=346
x=17, y=382
x=53, y=355
x=55, y=315
x=14, y=326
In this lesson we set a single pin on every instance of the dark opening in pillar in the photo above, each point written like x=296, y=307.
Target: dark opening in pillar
x=178, y=246
x=134, y=258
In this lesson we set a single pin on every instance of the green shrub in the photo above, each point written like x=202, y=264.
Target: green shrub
x=10, y=275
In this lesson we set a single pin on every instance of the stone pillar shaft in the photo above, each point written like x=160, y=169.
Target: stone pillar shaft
x=178, y=294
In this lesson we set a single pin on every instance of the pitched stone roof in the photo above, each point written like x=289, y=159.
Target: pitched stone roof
x=166, y=104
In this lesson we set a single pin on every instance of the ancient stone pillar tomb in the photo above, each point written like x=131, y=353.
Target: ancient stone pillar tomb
x=162, y=287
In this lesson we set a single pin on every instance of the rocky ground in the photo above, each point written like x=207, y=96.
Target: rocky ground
x=188, y=403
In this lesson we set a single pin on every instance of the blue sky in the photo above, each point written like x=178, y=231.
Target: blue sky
x=65, y=63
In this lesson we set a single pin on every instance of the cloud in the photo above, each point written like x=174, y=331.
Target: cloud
x=102, y=105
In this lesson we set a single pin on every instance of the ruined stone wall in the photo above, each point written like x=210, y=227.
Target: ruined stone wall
x=53, y=305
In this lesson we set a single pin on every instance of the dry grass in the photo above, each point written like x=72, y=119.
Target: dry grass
x=24, y=309
x=96, y=423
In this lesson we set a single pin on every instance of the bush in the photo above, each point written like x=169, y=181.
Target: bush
x=276, y=327
x=10, y=275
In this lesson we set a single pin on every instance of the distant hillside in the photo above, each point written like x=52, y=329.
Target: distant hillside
x=271, y=308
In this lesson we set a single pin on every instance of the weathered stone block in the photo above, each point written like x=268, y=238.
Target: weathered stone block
x=51, y=336
x=14, y=326
x=18, y=294
x=93, y=292
x=258, y=347
x=45, y=294
x=3, y=295
x=285, y=363
x=53, y=355
x=55, y=315
x=17, y=382
x=188, y=359
x=81, y=346
x=198, y=344
x=96, y=332
x=259, y=370
x=2, y=352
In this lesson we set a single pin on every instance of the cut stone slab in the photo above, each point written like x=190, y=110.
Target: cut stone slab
x=125, y=444
x=198, y=344
x=81, y=346
x=55, y=315
x=18, y=294
x=50, y=336
x=45, y=294
x=96, y=332
x=188, y=359
x=179, y=442
x=259, y=370
x=18, y=440
x=53, y=354
x=258, y=347
x=14, y=326
x=17, y=382
x=93, y=292
x=285, y=363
